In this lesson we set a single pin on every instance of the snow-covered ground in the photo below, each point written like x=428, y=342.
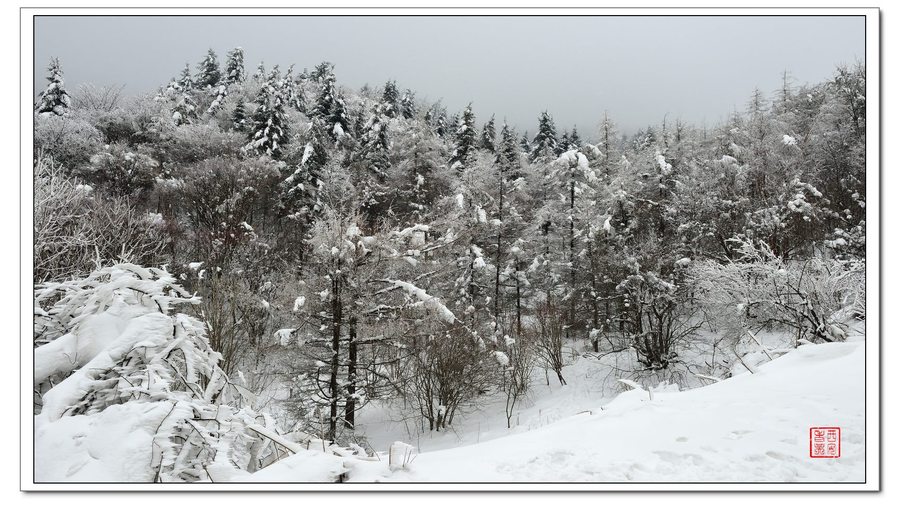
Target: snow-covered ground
x=749, y=428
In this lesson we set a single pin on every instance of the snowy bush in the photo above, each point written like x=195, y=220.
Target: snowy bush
x=660, y=317
x=447, y=374
x=70, y=140
x=760, y=289
x=75, y=229
x=192, y=143
x=135, y=121
x=118, y=346
x=122, y=170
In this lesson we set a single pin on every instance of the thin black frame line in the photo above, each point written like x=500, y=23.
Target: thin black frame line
x=431, y=7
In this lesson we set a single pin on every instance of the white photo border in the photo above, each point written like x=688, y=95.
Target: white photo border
x=873, y=253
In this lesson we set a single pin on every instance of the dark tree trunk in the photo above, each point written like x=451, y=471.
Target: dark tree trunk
x=497, y=260
x=336, y=317
x=350, y=406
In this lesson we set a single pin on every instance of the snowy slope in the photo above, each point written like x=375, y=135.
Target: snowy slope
x=747, y=428
x=752, y=427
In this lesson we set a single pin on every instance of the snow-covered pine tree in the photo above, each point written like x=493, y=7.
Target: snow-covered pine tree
x=260, y=73
x=452, y=124
x=340, y=314
x=373, y=155
x=321, y=70
x=301, y=189
x=297, y=99
x=330, y=106
x=436, y=118
x=239, y=117
x=208, y=74
x=338, y=121
x=234, y=67
x=574, y=140
x=507, y=223
x=545, y=144
x=488, y=136
x=408, y=105
x=608, y=147
x=220, y=93
x=508, y=152
x=464, y=148
x=54, y=99
x=186, y=81
x=180, y=99
x=292, y=95
x=563, y=144
x=268, y=128
x=573, y=178
x=420, y=160
x=525, y=143
x=391, y=99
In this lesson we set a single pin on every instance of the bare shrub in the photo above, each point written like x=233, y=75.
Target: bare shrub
x=449, y=372
x=517, y=376
x=658, y=318
x=69, y=140
x=549, y=337
x=75, y=229
x=104, y=99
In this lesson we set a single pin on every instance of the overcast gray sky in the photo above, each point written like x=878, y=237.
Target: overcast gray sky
x=638, y=68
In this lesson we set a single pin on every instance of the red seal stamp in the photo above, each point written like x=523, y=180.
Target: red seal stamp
x=824, y=442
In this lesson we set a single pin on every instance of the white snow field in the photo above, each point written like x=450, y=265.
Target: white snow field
x=751, y=427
